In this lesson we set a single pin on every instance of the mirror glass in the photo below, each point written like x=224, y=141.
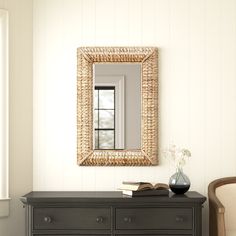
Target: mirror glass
x=117, y=106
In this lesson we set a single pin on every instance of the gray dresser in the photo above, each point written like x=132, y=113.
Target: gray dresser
x=111, y=213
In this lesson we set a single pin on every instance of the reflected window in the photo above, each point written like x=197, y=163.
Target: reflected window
x=104, y=117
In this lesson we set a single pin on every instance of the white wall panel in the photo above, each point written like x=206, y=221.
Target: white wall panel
x=197, y=85
x=228, y=71
x=121, y=14
x=213, y=89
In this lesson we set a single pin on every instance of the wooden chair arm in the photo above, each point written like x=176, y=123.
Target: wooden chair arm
x=216, y=208
x=214, y=201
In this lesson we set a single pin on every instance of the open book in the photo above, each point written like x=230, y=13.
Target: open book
x=140, y=186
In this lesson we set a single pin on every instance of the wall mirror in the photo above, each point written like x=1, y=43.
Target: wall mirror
x=117, y=98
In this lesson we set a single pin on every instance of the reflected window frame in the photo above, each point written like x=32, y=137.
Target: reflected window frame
x=98, y=129
x=117, y=81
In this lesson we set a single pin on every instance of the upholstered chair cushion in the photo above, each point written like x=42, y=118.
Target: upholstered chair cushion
x=227, y=196
x=230, y=232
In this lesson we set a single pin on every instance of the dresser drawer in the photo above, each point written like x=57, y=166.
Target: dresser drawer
x=71, y=218
x=154, y=218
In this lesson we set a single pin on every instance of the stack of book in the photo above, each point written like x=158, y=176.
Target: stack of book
x=140, y=189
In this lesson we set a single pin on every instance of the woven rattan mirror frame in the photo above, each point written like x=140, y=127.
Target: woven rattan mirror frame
x=147, y=155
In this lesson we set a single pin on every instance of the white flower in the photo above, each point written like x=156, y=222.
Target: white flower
x=177, y=155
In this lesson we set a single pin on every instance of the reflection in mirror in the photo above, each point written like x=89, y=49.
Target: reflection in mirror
x=117, y=106
x=104, y=117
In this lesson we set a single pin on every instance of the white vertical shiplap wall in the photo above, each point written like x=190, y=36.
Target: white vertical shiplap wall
x=197, y=92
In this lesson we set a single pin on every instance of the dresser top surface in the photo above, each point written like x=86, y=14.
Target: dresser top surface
x=105, y=196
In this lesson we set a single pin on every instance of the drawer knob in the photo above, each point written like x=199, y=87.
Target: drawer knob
x=47, y=219
x=99, y=219
x=127, y=219
x=179, y=219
